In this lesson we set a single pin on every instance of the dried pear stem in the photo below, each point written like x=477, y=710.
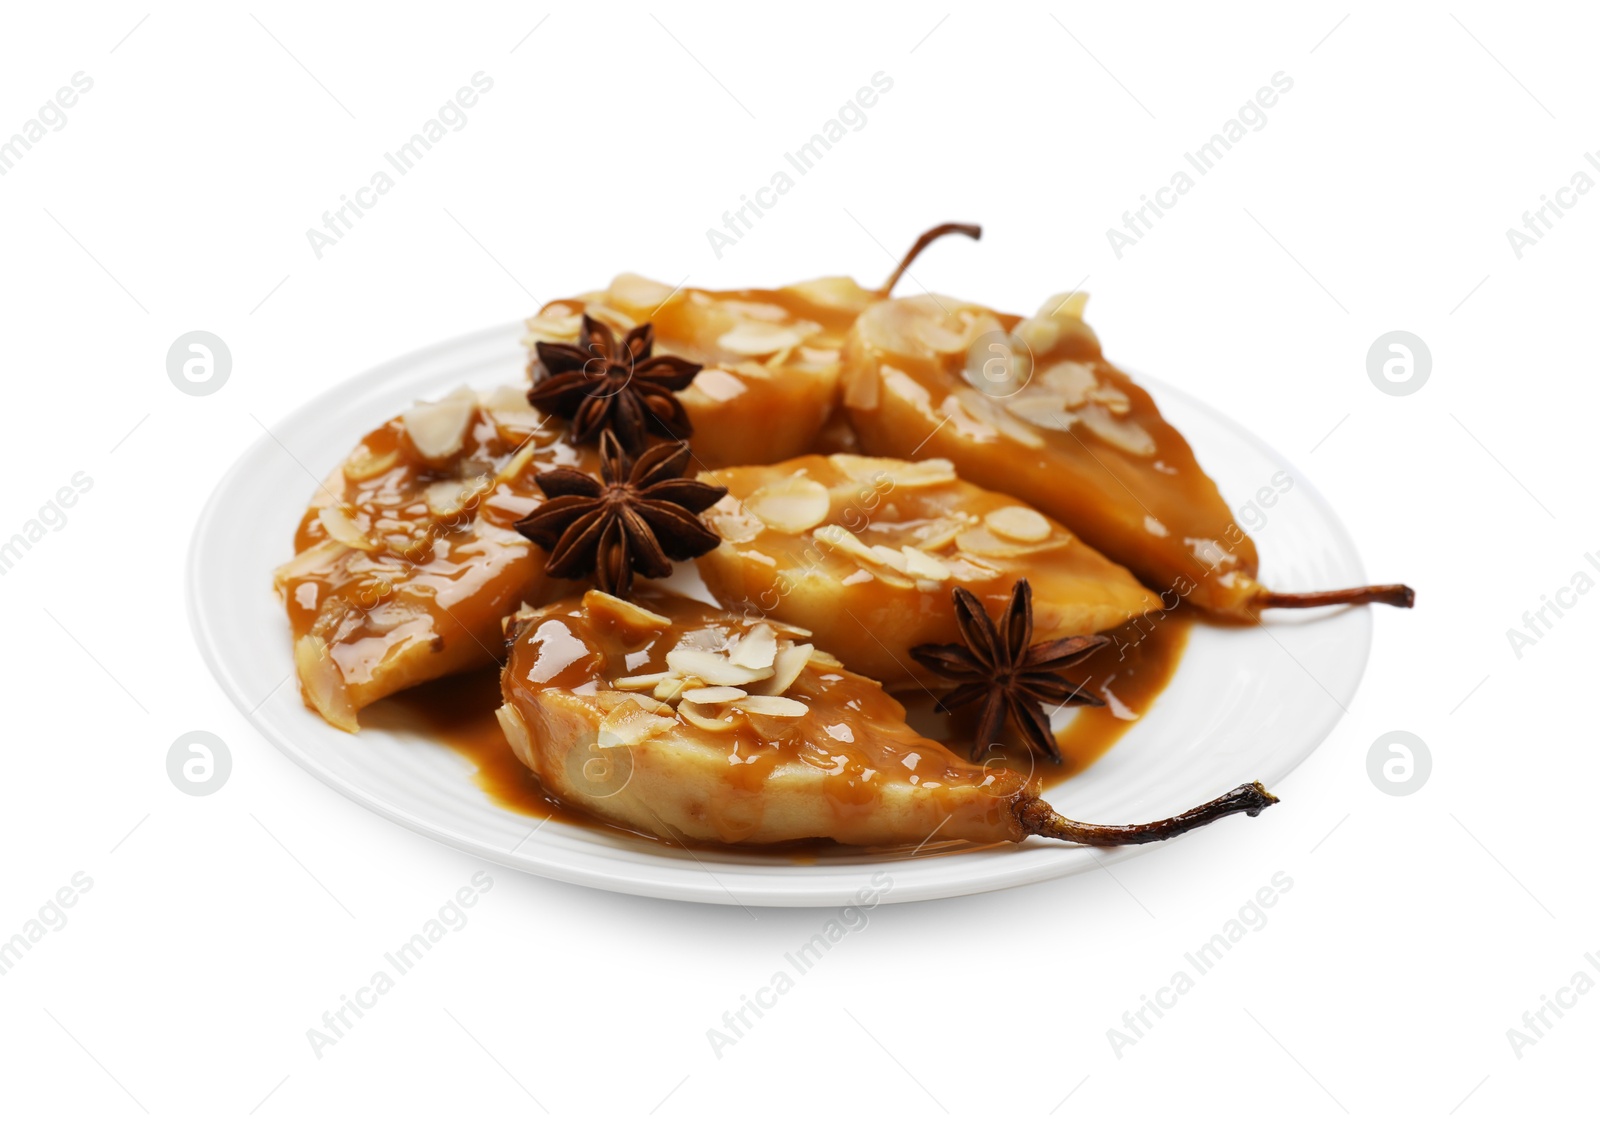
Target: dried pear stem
x=970, y=230
x=1395, y=595
x=1037, y=817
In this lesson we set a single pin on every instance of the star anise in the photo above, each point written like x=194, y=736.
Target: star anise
x=1013, y=678
x=602, y=383
x=638, y=517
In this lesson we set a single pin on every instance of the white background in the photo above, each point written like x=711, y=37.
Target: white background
x=1377, y=197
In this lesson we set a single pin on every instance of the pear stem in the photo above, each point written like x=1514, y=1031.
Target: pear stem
x=1037, y=817
x=1395, y=595
x=970, y=230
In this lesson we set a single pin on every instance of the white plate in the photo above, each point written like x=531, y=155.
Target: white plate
x=1245, y=704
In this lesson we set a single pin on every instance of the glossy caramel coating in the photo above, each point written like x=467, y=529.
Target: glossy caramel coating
x=864, y=553
x=770, y=358
x=407, y=563
x=1032, y=407
x=848, y=768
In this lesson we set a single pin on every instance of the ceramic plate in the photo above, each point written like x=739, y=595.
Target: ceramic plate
x=1245, y=704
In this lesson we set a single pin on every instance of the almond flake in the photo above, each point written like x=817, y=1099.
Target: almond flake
x=731, y=521
x=755, y=339
x=757, y=648
x=920, y=566
x=1018, y=523
x=928, y=472
x=447, y=498
x=630, y=724
x=768, y=705
x=1125, y=435
x=939, y=533
x=438, y=430
x=791, y=505
x=640, y=681
x=636, y=290
x=713, y=695
x=788, y=665
x=1074, y=381
x=343, y=529
x=624, y=611
x=367, y=465
x=1045, y=410
x=714, y=669
x=670, y=688
x=824, y=660
x=553, y=327
x=714, y=718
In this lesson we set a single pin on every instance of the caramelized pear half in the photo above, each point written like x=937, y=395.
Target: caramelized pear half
x=770, y=358
x=864, y=553
x=406, y=560
x=655, y=716
x=1031, y=406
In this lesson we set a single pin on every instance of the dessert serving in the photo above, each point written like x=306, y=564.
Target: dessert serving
x=772, y=567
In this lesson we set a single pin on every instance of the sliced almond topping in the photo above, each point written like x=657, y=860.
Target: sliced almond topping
x=640, y=681
x=508, y=404
x=713, y=718
x=439, y=429
x=611, y=699
x=1018, y=523
x=791, y=505
x=824, y=660
x=1068, y=306
x=1115, y=399
x=755, y=339
x=718, y=385
x=982, y=541
x=890, y=557
x=343, y=529
x=364, y=464
x=939, y=533
x=630, y=723
x=447, y=498
x=636, y=290
x=517, y=463
x=987, y=409
x=1125, y=435
x=838, y=537
x=757, y=648
x=920, y=566
x=864, y=468
x=835, y=292
x=623, y=611
x=791, y=660
x=713, y=695
x=670, y=688
x=1038, y=334
x=967, y=570
x=1072, y=380
x=928, y=472
x=768, y=705
x=553, y=327
x=1044, y=410
x=731, y=521
x=714, y=669
x=995, y=365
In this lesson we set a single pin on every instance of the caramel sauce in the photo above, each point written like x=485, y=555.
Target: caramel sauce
x=872, y=614
x=1068, y=433
x=458, y=712
x=1129, y=674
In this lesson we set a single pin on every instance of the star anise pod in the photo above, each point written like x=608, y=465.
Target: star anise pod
x=997, y=663
x=638, y=517
x=602, y=383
